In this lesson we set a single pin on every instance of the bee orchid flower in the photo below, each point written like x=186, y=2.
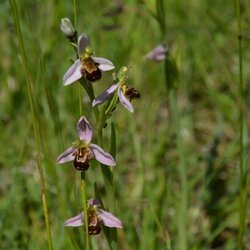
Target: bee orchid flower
x=89, y=66
x=96, y=217
x=125, y=94
x=82, y=150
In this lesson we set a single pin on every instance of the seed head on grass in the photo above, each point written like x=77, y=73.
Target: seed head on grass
x=87, y=65
x=82, y=151
x=96, y=217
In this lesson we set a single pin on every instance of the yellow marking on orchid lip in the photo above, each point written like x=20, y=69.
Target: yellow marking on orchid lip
x=80, y=144
x=88, y=52
x=123, y=87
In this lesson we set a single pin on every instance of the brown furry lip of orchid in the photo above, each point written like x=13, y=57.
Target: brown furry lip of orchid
x=96, y=217
x=82, y=150
x=86, y=65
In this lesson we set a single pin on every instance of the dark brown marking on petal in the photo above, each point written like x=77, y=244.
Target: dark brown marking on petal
x=90, y=70
x=94, y=224
x=82, y=158
x=81, y=163
x=93, y=230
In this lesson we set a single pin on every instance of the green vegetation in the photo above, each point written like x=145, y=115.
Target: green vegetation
x=178, y=177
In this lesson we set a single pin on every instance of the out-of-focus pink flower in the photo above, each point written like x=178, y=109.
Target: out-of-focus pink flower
x=157, y=54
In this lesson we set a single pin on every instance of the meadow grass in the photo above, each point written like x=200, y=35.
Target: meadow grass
x=182, y=157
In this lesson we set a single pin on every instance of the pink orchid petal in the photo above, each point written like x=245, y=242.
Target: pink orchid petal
x=102, y=156
x=66, y=156
x=83, y=42
x=105, y=95
x=75, y=221
x=124, y=101
x=104, y=64
x=84, y=129
x=73, y=73
x=109, y=220
x=157, y=54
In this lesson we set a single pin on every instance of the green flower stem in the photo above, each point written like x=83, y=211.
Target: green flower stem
x=34, y=120
x=106, y=172
x=84, y=202
x=242, y=201
x=111, y=105
x=75, y=48
x=83, y=179
x=89, y=89
x=100, y=126
x=80, y=100
x=75, y=13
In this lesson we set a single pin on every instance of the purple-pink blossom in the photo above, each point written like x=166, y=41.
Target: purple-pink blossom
x=157, y=54
x=87, y=65
x=96, y=217
x=82, y=150
x=125, y=94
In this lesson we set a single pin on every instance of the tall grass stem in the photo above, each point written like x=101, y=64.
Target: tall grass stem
x=34, y=122
x=44, y=199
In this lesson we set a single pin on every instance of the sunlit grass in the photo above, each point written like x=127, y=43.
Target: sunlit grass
x=147, y=181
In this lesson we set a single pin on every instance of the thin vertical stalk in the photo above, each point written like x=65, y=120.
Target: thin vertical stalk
x=80, y=100
x=107, y=176
x=44, y=200
x=241, y=110
x=75, y=14
x=100, y=125
x=83, y=179
x=34, y=124
x=182, y=172
x=89, y=89
x=79, y=87
x=84, y=202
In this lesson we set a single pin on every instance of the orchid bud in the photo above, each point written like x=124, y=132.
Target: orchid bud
x=67, y=27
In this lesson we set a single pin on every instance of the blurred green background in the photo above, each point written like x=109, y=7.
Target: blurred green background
x=202, y=36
